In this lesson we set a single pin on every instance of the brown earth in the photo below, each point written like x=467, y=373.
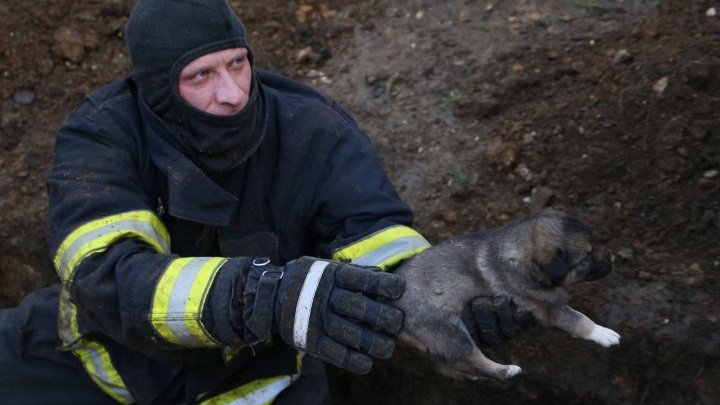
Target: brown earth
x=482, y=111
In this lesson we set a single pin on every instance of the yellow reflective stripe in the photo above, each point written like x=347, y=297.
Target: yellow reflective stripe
x=384, y=248
x=179, y=300
x=258, y=392
x=96, y=361
x=299, y=360
x=98, y=235
x=93, y=356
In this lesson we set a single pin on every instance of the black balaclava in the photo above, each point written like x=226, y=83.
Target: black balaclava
x=163, y=36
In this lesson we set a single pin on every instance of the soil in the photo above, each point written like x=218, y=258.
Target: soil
x=482, y=111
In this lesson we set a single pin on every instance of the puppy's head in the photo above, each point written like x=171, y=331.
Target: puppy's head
x=564, y=251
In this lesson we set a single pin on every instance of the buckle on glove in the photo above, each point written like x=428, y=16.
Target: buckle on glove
x=260, y=322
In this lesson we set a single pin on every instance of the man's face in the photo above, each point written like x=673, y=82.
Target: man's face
x=217, y=83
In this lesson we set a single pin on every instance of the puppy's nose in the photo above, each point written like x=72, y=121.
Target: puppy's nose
x=601, y=264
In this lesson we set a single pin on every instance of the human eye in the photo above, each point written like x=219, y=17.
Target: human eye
x=239, y=60
x=200, y=75
x=197, y=76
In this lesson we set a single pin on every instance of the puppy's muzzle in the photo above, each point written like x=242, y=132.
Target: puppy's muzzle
x=595, y=265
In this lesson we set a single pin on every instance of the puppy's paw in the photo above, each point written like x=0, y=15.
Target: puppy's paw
x=603, y=336
x=512, y=370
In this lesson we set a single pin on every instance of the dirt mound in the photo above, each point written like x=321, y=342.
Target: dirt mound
x=482, y=111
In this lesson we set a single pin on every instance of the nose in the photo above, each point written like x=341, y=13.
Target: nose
x=602, y=264
x=227, y=91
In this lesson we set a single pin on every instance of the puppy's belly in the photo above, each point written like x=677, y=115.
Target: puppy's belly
x=429, y=313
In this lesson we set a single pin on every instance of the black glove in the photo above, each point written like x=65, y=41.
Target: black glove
x=326, y=309
x=492, y=321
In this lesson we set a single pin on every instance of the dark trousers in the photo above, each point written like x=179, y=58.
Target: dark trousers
x=34, y=371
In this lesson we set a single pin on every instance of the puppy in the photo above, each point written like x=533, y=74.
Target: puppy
x=528, y=260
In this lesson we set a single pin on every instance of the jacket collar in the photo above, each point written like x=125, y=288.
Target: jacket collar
x=191, y=194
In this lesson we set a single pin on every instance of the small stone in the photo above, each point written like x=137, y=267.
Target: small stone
x=24, y=97
x=541, y=197
x=623, y=56
x=710, y=174
x=502, y=153
x=302, y=12
x=326, y=11
x=313, y=74
x=477, y=105
x=644, y=275
x=695, y=275
x=437, y=291
x=447, y=216
x=661, y=85
x=304, y=55
x=711, y=12
x=529, y=137
x=70, y=44
x=625, y=253
x=523, y=171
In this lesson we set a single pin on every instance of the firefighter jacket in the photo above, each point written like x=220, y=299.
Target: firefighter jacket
x=150, y=250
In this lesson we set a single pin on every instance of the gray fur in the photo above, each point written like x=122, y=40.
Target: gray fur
x=528, y=260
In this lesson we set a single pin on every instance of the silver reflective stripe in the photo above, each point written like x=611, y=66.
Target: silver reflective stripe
x=397, y=247
x=93, y=356
x=177, y=305
x=179, y=299
x=304, y=304
x=104, y=378
x=262, y=391
x=265, y=394
x=114, y=227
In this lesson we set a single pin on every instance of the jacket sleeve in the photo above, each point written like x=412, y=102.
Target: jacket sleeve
x=358, y=214
x=113, y=253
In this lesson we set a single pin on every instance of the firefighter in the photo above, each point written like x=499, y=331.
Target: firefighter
x=219, y=231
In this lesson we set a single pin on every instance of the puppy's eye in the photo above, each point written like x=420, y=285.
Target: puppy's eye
x=580, y=260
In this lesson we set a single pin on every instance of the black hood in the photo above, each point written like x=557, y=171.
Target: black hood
x=163, y=36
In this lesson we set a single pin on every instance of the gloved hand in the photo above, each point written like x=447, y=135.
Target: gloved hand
x=326, y=309
x=494, y=320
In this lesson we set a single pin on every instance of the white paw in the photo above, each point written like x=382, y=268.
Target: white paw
x=603, y=336
x=512, y=371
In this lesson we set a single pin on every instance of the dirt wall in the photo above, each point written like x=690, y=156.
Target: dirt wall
x=482, y=111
